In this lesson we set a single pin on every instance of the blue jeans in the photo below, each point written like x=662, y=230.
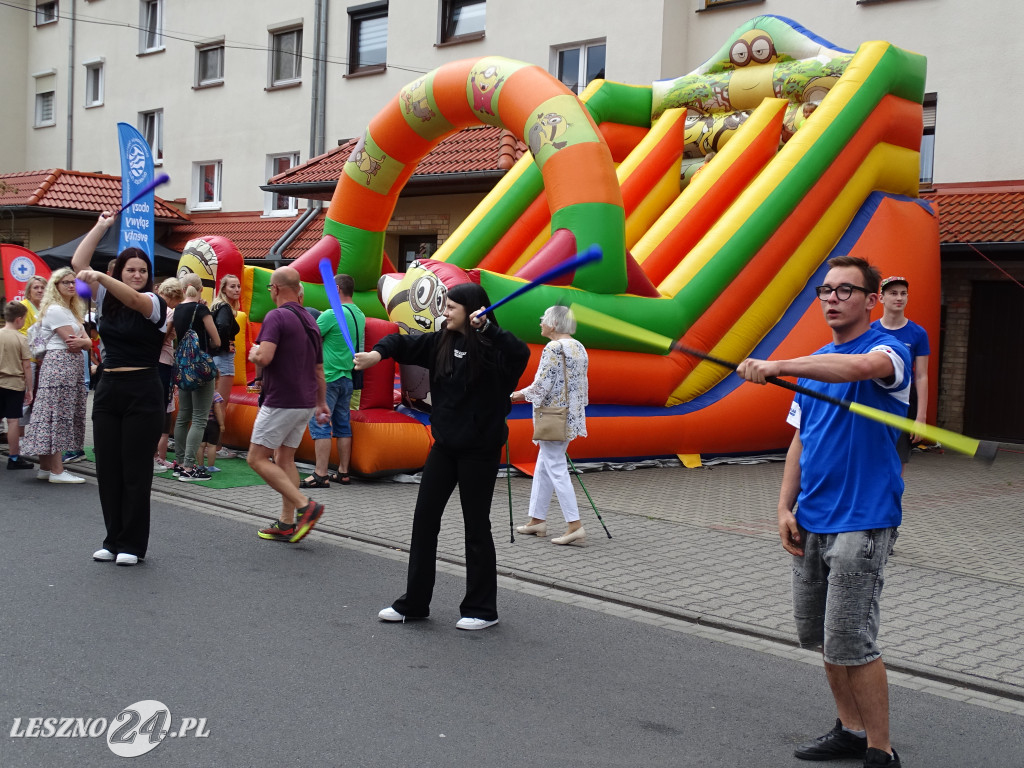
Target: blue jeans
x=226, y=364
x=339, y=397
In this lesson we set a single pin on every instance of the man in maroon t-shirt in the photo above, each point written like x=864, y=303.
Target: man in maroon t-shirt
x=293, y=390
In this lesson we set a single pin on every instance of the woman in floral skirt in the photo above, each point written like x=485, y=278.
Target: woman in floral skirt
x=58, y=413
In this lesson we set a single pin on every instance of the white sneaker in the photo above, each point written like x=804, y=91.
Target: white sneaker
x=103, y=555
x=158, y=467
x=66, y=477
x=474, y=623
x=226, y=453
x=124, y=558
x=390, y=614
x=42, y=474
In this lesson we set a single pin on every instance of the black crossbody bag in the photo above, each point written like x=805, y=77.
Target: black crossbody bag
x=357, y=376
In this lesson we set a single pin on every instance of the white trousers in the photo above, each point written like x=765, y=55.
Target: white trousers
x=552, y=474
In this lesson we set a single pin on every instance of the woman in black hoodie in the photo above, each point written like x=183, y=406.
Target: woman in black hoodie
x=474, y=367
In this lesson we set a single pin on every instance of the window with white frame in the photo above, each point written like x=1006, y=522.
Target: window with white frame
x=277, y=204
x=462, y=20
x=210, y=64
x=285, y=56
x=46, y=12
x=94, y=83
x=151, y=25
x=576, y=65
x=44, y=109
x=151, y=126
x=368, y=37
x=931, y=101
x=206, y=185
x=46, y=94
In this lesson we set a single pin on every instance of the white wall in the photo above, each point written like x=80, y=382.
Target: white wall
x=240, y=123
x=14, y=86
x=45, y=48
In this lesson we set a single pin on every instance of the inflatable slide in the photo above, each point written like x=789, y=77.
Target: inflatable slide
x=717, y=197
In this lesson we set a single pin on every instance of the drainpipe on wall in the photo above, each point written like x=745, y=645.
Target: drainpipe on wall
x=317, y=129
x=69, y=162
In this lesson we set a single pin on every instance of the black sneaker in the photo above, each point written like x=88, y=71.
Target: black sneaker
x=834, y=745
x=877, y=757
x=193, y=474
x=19, y=463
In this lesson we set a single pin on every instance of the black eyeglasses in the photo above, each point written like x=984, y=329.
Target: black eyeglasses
x=843, y=291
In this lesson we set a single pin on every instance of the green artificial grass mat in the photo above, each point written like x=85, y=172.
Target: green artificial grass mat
x=234, y=473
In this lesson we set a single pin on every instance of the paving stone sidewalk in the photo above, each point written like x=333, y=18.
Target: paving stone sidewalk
x=701, y=545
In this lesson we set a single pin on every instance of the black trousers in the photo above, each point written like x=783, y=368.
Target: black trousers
x=475, y=474
x=127, y=419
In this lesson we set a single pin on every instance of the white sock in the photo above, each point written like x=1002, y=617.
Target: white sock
x=859, y=734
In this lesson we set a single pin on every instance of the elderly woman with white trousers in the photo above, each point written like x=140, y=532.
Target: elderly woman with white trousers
x=561, y=380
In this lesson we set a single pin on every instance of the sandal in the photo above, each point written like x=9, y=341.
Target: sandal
x=340, y=478
x=316, y=481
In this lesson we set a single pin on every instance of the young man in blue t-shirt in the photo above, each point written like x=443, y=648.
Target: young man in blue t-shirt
x=895, y=293
x=840, y=506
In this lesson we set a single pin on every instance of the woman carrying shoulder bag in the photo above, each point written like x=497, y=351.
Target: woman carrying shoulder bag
x=58, y=413
x=193, y=405
x=561, y=380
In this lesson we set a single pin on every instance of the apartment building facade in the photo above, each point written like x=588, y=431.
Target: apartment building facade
x=231, y=93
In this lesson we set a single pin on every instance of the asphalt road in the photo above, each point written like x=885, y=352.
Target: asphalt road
x=279, y=649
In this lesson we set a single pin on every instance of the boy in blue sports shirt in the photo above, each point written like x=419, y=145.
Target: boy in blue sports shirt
x=895, y=294
x=840, y=506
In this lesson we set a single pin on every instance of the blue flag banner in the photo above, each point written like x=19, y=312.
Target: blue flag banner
x=136, y=172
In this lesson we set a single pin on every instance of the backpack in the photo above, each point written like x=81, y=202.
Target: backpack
x=37, y=339
x=193, y=367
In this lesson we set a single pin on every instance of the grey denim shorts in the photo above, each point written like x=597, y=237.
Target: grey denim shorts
x=836, y=589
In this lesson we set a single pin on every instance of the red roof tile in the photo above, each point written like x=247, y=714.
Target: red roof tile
x=475, y=149
x=250, y=231
x=481, y=148
x=58, y=189
x=989, y=212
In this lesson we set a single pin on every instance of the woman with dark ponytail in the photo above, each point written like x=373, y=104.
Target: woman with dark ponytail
x=128, y=407
x=474, y=366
